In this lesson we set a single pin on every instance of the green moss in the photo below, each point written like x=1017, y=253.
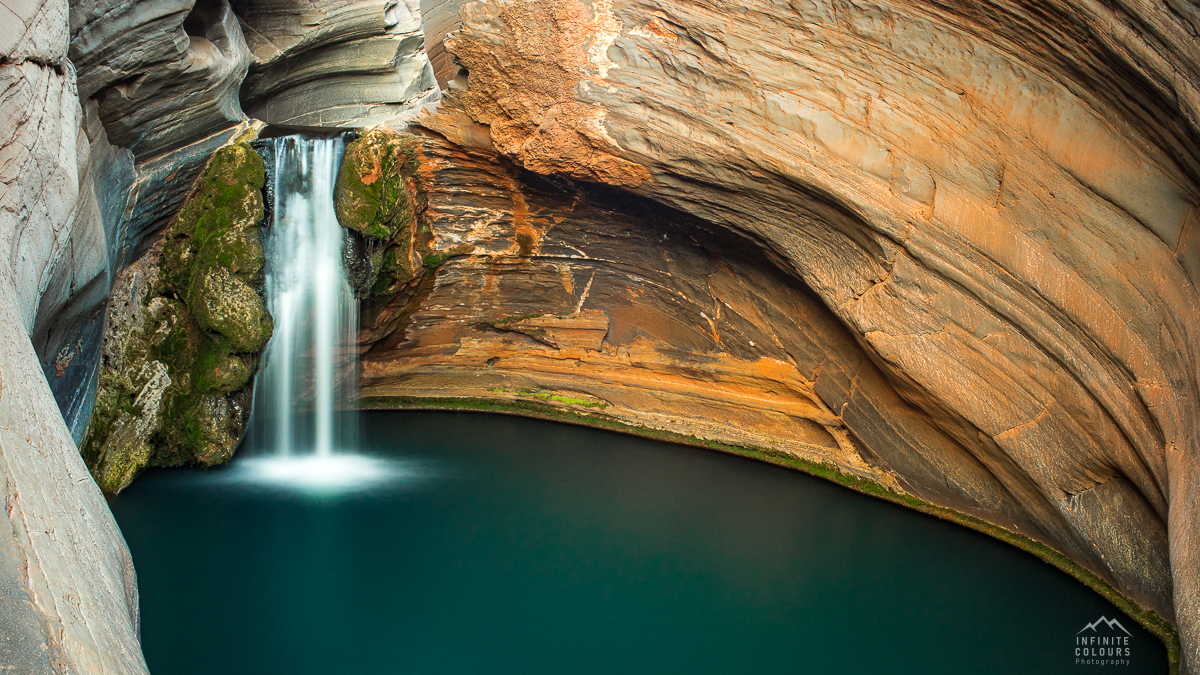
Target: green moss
x=114, y=395
x=547, y=396
x=205, y=323
x=237, y=250
x=1149, y=619
x=394, y=270
x=434, y=260
x=379, y=195
x=216, y=370
x=126, y=455
x=372, y=194
x=224, y=304
x=225, y=204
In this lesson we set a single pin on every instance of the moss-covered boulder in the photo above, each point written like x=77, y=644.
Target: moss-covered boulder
x=218, y=224
x=224, y=304
x=126, y=449
x=372, y=195
x=186, y=325
x=378, y=197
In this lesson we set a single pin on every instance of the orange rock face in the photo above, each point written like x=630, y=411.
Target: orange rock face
x=991, y=209
x=621, y=307
x=545, y=127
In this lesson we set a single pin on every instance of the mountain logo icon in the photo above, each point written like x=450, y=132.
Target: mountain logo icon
x=1106, y=621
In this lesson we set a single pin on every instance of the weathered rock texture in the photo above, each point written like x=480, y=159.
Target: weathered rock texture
x=439, y=18
x=184, y=331
x=603, y=302
x=347, y=62
x=68, y=595
x=996, y=202
x=163, y=80
x=377, y=197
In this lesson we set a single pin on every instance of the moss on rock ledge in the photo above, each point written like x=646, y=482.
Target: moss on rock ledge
x=378, y=197
x=186, y=325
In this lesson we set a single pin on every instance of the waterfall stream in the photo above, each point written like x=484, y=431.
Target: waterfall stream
x=303, y=433
x=309, y=366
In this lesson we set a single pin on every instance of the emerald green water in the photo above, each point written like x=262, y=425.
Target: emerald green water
x=490, y=544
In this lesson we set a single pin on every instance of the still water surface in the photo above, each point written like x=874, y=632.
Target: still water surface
x=488, y=544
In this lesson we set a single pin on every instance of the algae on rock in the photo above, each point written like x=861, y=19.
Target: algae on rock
x=378, y=197
x=185, y=328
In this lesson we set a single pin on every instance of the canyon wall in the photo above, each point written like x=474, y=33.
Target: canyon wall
x=997, y=203
x=950, y=248
x=68, y=594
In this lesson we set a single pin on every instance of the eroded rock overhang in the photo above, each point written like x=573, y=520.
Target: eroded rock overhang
x=997, y=205
x=950, y=246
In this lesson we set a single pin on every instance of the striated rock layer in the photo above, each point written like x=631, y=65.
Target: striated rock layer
x=348, y=62
x=992, y=206
x=603, y=302
x=68, y=594
x=606, y=303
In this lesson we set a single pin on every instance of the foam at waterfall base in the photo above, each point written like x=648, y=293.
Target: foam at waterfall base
x=326, y=474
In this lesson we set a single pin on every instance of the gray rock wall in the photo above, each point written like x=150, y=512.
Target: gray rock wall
x=439, y=18
x=341, y=63
x=68, y=593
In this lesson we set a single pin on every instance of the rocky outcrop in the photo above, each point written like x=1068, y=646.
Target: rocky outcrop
x=165, y=74
x=184, y=332
x=159, y=83
x=377, y=198
x=342, y=63
x=439, y=18
x=1003, y=232
x=376, y=186
x=68, y=594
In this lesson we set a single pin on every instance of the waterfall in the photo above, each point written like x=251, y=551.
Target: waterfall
x=309, y=367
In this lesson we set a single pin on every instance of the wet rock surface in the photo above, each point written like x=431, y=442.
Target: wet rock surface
x=184, y=332
x=378, y=197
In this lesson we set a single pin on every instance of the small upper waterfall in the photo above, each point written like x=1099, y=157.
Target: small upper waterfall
x=309, y=366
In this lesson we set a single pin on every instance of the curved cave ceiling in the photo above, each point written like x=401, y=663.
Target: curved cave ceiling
x=950, y=247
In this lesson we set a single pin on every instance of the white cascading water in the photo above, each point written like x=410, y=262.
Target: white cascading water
x=309, y=365
x=301, y=433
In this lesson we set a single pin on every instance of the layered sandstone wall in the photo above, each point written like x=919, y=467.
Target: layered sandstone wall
x=342, y=63
x=605, y=304
x=996, y=202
